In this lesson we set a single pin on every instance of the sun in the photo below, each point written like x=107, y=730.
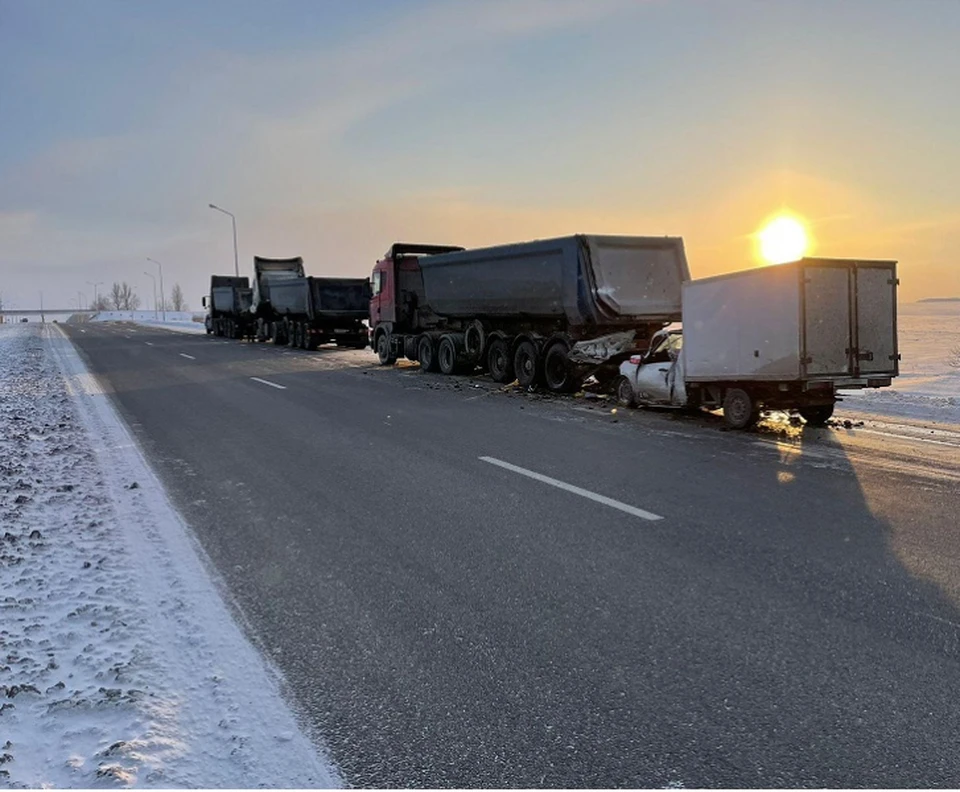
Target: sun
x=783, y=239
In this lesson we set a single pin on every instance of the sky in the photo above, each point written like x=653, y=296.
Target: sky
x=332, y=129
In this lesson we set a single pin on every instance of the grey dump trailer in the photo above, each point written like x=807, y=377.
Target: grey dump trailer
x=267, y=274
x=549, y=311
x=784, y=337
x=312, y=311
x=228, y=306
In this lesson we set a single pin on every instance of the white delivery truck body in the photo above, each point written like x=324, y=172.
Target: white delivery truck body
x=813, y=320
x=779, y=337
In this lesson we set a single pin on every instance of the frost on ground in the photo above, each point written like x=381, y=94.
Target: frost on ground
x=928, y=388
x=120, y=664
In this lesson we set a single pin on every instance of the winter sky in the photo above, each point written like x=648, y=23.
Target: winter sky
x=332, y=129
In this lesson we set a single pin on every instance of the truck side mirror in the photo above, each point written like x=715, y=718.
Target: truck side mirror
x=203, y=301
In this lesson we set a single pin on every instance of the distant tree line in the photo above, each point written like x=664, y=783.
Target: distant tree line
x=122, y=297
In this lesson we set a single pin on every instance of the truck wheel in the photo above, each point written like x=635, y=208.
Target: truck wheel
x=474, y=339
x=816, y=416
x=384, y=350
x=556, y=370
x=291, y=335
x=427, y=354
x=526, y=362
x=499, y=361
x=739, y=410
x=447, y=355
x=625, y=394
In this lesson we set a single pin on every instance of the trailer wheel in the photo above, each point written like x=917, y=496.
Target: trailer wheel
x=626, y=397
x=816, y=416
x=447, y=355
x=384, y=350
x=290, y=333
x=427, y=353
x=739, y=409
x=312, y=339
x=499, y=361
x=557, y=370
x=526, y=362
x=474, y=340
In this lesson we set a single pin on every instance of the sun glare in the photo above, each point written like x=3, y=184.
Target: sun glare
x=783, y=239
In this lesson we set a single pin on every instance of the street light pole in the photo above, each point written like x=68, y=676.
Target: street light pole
x=236, y=257
x=155, y=307
x=163, y=307
x=96, y=300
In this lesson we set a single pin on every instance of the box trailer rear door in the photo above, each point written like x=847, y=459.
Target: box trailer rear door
x=827, y=344
x=876, y=298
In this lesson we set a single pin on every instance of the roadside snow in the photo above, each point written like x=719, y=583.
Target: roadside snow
x=120, y=663
x=181, y=321
x=928, y=387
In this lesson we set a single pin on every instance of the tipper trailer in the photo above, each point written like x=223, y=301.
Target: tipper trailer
x=228, y=306
x=313, y=311
x=782, y=337
x=266, y=273
x=553, y=310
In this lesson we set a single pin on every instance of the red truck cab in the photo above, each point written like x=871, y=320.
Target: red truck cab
x=396, y=291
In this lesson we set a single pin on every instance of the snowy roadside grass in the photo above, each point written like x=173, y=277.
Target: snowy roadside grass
x=120, y=662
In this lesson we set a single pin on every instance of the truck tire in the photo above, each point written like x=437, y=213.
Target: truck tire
x=427, y=353
x=274, y=334
x=526, y=363
x=312, y=339
x=474, y=340
x=291, y=335
x=499, y=361
x=447, y=355
x=385, y=350
x=557, y=372
x=818, y=415
x=626, y=397
x=739, y=409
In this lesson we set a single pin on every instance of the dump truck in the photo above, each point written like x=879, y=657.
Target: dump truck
x=267, y=273
x=312, y=311
x=782, y=337
x=551, y=311
x=228, y=306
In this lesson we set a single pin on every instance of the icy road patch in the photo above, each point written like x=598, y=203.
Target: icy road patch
x=120, y=662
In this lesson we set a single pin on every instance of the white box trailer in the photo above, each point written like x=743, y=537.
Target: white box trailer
x=786, y=336
x=811, y=320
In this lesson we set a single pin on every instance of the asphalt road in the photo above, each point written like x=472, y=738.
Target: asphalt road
x=448, y=613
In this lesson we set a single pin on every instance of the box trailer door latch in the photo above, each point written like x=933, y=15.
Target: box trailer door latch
x=893, y=282
x=806, y=361
x=865, y=356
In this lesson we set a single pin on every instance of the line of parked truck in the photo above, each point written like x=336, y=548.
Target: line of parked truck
x=555, y=312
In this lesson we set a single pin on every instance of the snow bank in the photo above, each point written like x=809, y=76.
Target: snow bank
x=181, y=321
x=120, y=664
x=171, y=317
x=928, y=387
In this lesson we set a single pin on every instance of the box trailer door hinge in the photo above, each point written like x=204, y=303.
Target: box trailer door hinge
x=893, y=282
x=806, y=360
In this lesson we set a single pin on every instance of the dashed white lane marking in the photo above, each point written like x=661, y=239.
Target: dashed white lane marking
x=189, y=357
x=267, y=382
x=148, y=343
x=613, y=504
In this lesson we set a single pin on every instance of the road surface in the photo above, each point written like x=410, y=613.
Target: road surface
x=470, y=587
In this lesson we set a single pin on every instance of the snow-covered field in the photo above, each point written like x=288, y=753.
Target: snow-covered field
x=928, y=388
x=120, y=662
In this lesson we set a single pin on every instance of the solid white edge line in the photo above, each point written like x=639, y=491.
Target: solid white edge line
x=267, y=382
x=184, y=354
x=613, y=504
